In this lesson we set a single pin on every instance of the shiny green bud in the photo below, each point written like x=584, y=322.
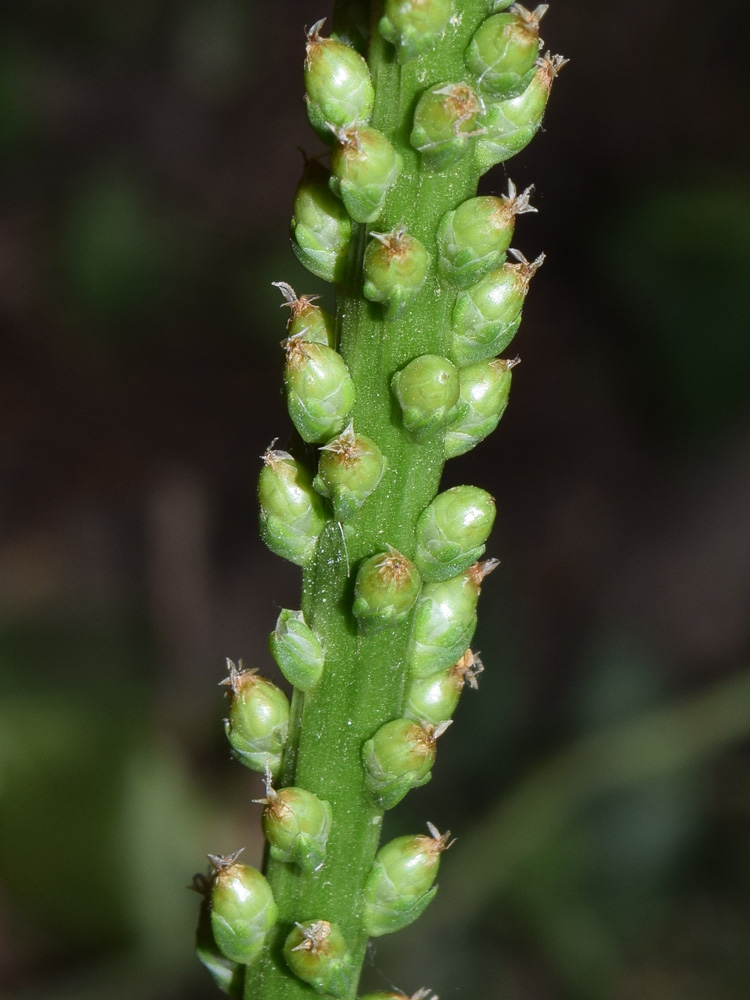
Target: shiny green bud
x=338, y=83
x=242, y=909
x=483, y=397
x=364, y=167
x=510, y=125
x=316, y=952
x=399, y=757
x=473, y=239
x=452, y=530
x=504, y=49
x=292, y=514
x=229, y=976
x=434, y=698
x=258, y=719
x=414, y=26
x=427, y=390
x=487, y=315
x=445, y=619
x=446, y=119
x=395, y=268
x=296, y=825
x=385, y=590
x=319, y=389
x=306, y=318
x=350, y=469
x=321, y=227
x=400, y=884
x=297, y=650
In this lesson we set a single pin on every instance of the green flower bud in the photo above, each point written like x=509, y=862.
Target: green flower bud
x=445, y=619
x=414, y=26
x=510, y=125
x=350, y=468
x=386, y=588
x=364, y=168
x=487, y=315
x=316, y=952
x=504, y=49
x=242, y=909
x=258, y=719
x=321, y=227
x=319, y=389
x=473, y=238
x=399, y=757
x=445, y=120
x=483, y=397
x=296, y=824
x=338, y=83
x=434, y=698
x=306, y=318
x=427, y=391
x=229, y=976
x=452, y=530
x=400, y=885
x=297, y=650
x=395, y=268
x=292, y=514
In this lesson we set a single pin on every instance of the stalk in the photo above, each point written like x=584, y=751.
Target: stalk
x=379, y=556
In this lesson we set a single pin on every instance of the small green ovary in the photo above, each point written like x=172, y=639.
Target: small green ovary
x=292, y=515
x=350, y=469
x=364, y=167
x=483, y=398
x=435, y=698
x=338, y=85
x=320, y=390
x=321, y=227
x=445, y=121
x=395, y=269
x=296, y=824
x=258, y=719
x=427, y=391
x=243, y=909
x=317, y=953
x=452, y=530
x=399, y=757
x=504, y=49
x=385, y=590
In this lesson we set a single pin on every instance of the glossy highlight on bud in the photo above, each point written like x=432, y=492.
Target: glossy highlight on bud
x=414, y=26
x=400, y=884
x=504, y=49
x=319, y=389
x=483, y=398
x=427, y=391
x=292, y=514
x=434, y=698
x=297, y=650
x=296, y=824
x=445, y=619
x=258, y=719
x=473, y=238
x=316, y=952
x=446, y=119
x=306, y=319
x=338, y=83
x=395, y=268
x=243, y=909
x=364, y=167
x=399, y=757
x=385, y=590
x=452, y=530
x=350, y=469
x=487, y=315
x=321, y=227
x=510, y=125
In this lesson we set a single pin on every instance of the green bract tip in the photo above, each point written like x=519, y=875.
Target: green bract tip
x=338, y=84
x=452, y=530
x=483, y=397
x=487, y=315
x=414, y=26
x=399, y=886
x=320, y=391
x=258, y=719
x=316, y=953
x=395, y=268
x=292, y=514
x=445, y=120
x=242, y=909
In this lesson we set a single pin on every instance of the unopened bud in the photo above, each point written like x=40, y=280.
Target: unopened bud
x=427, y=391
x=395, y=268
x=242, y=909
x=292, y=514
x=445, y=121
x=364, y=167
x=316, y=952
x=258, y=719
x=338, y=83
x=297, y=650
x=414, y=26
x=483, y=397
x=320, y=391
x=229, y=976
x=504, y=49
x=296, y=824
x=452, y=530
x=399, y=757
x=321, y=227
x=385, y=590
x=350, y=469
x=434, y=698
x=306, y=319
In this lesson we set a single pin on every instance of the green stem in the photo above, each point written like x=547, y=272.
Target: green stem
x=363, y=683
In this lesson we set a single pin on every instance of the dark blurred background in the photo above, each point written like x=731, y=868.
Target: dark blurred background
x=599, y=781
